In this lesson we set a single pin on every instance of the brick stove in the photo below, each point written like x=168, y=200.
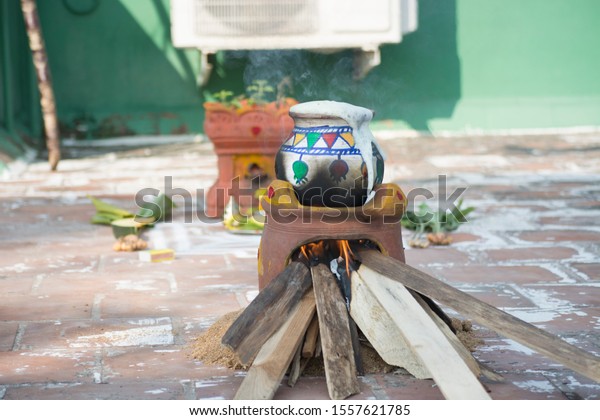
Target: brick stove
x=289, y=225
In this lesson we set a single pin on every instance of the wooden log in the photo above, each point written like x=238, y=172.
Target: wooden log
x=463, y=352
x=44, y=79
x=305, y=352
x=429, y=344
x=485, y=314
x=310, y=341
x=296, y=367
x=435, y=308
x=355, y=345
x=318, y=348
x=334, y=331
x=381, y=331
x=267, y=312
x=273, y=359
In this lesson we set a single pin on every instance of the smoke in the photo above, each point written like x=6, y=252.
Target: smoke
x=313, y=75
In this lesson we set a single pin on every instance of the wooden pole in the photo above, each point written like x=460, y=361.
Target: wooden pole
x=381, y=331
x=273, y=359
x=295, y=367
x=267, y=312
x=428, y=343
x=489, y=316
x=334, y=331
x=460, y=348
x=42, y=70
x=310, y=341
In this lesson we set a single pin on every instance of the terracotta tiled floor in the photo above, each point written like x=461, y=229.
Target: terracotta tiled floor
x=79, y=321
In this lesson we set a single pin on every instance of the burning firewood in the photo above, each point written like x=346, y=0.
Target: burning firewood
x=275, y=356
x=423, y=337
x=379, y=328
x=451, y=334
x=336, y=341
x=364, y=281
x=404, y=325
x=485, y=314
x=310, y=348
x=310, y=341
x=345, y=297
x=267, y=312
x=296, y=367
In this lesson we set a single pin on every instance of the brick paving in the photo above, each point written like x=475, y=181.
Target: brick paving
x=80, y=321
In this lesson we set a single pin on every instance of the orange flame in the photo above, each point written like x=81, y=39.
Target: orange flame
x=313, y=250
x=345, y=253
x=318, y=249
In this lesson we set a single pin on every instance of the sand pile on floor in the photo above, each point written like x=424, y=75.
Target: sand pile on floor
x=207, y=348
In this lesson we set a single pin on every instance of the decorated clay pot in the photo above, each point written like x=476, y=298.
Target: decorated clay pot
x=331, y=157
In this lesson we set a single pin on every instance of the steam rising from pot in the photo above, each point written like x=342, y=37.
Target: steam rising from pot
x=313, y=75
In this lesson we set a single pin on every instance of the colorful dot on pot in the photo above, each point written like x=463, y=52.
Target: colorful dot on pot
x=270, y=192
x=338, y=169
x=300, y=171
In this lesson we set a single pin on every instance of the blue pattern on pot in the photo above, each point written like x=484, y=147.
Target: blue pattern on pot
x=324, y=163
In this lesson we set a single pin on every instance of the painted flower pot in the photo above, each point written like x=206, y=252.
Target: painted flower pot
x=245, y=141
x=331, y=157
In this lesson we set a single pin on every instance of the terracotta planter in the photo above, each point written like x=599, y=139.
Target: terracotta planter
x=246, y=141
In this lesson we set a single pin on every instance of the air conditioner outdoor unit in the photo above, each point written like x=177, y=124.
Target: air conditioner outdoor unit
x=325, y=25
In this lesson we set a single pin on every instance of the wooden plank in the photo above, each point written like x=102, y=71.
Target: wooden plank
x=435, y=308
x=267, y=312
x=310, y=341
x=334, y=331
x=273, y=359
x=452, y=338
x=466, y=355
x=318, y=348
x=429, y=344
x=307, y=348
x=37, y=45
x=355, y=344
x=484, y=314
x=296, y=367
x=381, y=331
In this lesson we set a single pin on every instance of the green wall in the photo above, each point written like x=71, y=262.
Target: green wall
x=115, y=70
x=471, y=65
x=532, y=63
x=20, y=119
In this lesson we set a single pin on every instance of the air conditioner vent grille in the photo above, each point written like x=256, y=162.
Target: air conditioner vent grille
x=257, y=17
